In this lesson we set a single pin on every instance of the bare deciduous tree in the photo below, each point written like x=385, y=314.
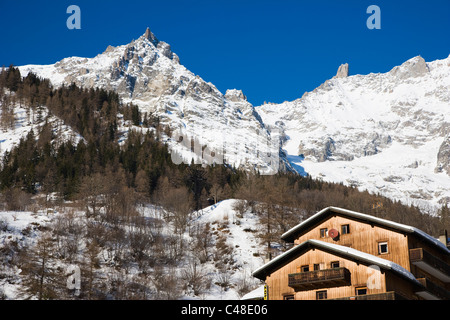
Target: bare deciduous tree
x=195, y=277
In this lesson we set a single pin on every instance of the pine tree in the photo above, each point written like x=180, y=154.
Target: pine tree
x=444, y=217
x=196, y=181
x=135, y=115
x=13, y=78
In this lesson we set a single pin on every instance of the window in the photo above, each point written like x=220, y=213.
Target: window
x=323, y=232
x=345, y=229
x=316, y=266
x=383, y=247
x=321, y=295
x=289, y=297
x=360, y=291
x=334, y=264
x=304, y=268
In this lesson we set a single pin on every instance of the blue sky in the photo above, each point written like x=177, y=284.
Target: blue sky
x=272, y=50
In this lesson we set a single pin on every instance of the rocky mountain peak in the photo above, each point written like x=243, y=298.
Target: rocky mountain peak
x=151, y=37
x=414, y=67
x=235, y=95
x=163, y=47
x=342, y=71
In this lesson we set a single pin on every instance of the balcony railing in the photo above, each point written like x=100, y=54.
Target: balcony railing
x=434, y=289
x=319, y=279
x=391, y=295
x=431, y=264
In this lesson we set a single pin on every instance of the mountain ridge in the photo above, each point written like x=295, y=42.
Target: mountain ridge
x=328, y=133
x=348, y=127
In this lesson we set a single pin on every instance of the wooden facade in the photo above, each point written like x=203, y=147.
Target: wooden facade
x=340, y=254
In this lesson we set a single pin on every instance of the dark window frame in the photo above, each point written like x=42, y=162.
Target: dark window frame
x=345, y=229
x=335, y=264
x=383, y=247
x=304, y=268
x=321, y=295
x=359, y=289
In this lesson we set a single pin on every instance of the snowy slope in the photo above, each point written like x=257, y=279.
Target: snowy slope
x=247, y=248
x=21, y=228
x=240, y=234
x=246, y=251
x=25, y=121
x=379, y=132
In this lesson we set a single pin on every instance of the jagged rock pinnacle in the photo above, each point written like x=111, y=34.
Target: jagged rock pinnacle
x=342, y=71
x=150, y=36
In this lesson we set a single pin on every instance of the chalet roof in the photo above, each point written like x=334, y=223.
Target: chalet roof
x=343, y=251
x=291, y=234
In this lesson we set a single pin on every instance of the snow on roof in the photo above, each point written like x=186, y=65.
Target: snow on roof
x=258, y=293
x=351, y=253
x=384, y=222
x=366, y=257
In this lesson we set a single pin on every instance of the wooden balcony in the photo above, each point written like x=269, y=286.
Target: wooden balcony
x=317, y=279
x=429, y=263
x=391, y=295
x=432, y=291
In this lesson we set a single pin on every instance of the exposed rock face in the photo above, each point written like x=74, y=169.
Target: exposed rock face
x=365, y=144
x=165, y=49
x=151, y=37
x=415, y=67
x=342, y=71
x=235, y=95
x=443, y=157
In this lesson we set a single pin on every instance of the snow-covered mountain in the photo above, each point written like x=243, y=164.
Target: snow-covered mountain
x=387, y=133
x=147, y=73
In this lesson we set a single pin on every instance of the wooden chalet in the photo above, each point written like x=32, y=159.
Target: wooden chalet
x=342, y=254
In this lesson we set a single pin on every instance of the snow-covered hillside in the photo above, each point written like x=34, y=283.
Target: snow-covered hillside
x=378, y=132
x=240, y=232
x=25, y=120
x=232, y=251
x=17, y=229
